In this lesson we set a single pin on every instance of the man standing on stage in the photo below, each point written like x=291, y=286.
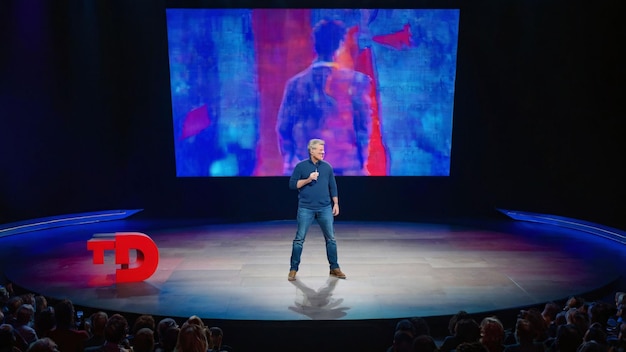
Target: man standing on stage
x=317, y=199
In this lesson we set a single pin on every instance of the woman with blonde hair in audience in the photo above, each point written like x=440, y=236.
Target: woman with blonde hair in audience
x=192, y=338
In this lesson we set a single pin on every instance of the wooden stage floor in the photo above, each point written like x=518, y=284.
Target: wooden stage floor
x=394, y=269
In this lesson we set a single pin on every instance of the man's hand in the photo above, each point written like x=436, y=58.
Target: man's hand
x=335, y=209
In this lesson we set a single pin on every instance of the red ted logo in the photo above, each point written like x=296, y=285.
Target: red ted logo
x=122, y=243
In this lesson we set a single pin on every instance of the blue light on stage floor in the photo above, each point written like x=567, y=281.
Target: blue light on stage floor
x=580, y=225
x=64, y=220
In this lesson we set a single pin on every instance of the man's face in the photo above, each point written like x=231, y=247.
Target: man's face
x=317, y=152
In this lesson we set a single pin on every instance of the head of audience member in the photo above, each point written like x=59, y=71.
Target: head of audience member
x=599, y=312
x=7, y=337
x=162, y=326
x=11, y=307
x=43, y=344
x=591, y=346
x=143, y=321
x=579, y=319
x=405, y=325
x=524, y=333
x=28, y=298
x=454, y=319
x=143, y=340
x=424, y=343
x=537, y=322
x=550, y=310
x=41, y=303
x=619, y=297
x=169, y=339
x=492, y=334
x=568, y=338
x=45, y=321
x=402, y=341
x=420, y=326
x=192, y=338
x=98, y=323
x=574, y=302
x=194, y=319
x=4, y=296
x=471, y=347
x=24, y=314
x=597, y=333
x=116, y=329
x=64, y=314
x=467, y=330
x=216, y=335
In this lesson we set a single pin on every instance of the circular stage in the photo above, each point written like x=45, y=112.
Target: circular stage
x=395, y=270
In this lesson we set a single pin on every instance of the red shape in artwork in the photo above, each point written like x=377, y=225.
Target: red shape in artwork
x=397, y=40
x=195, y=121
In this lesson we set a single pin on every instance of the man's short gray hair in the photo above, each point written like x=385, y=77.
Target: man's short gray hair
x=315, y=141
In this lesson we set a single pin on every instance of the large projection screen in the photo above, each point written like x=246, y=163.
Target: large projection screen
x=250, y=87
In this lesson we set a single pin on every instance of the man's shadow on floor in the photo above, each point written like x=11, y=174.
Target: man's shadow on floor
x=318, y=304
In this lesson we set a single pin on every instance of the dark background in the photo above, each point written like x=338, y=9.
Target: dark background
x=86, y=117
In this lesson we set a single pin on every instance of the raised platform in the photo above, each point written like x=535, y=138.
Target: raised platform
x=395, y=270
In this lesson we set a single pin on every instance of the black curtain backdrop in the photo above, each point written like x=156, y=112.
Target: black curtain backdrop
x=86, y=117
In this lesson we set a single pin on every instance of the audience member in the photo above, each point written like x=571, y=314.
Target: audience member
x=44, y=322
x=168, y=340
x=454, y=319
x=492, y=334
x=41, y=303
x=115, y=332
x=596, y=333
x=143, y=340
x=43, y=345
x=525, y=339
x=216, y=336
x=549, y=313
x=599, y=312
x=402, y=342
x=568, y=338
x=619, y=344
x=192, y=338
x=22, y=322
x=143, y=321
x=13, y=303
x=404, y=326
x=98, y=323
x=591, y=346
x=424, y=343
x=420, y=326
x=8, y=339
x=65, y=334
x=166, y=335
x=471, y=347
x=466, y=330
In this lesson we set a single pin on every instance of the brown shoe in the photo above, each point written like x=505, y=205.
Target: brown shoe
x=292, y=275
x=337, y=273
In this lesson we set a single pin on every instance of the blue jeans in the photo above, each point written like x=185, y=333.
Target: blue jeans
x=325, y=219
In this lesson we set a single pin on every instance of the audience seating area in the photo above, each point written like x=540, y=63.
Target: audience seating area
x=33, y=323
